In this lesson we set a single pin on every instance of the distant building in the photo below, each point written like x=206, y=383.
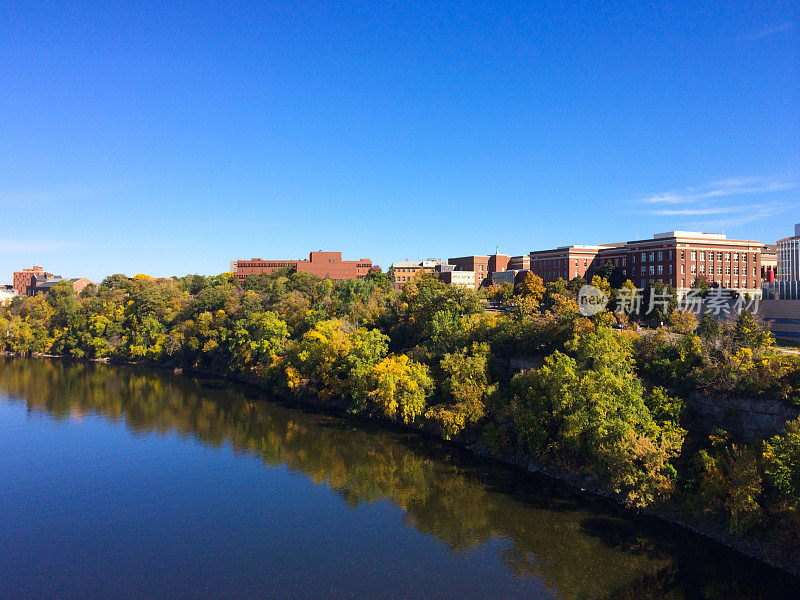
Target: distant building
x=769, y=262
x=782, y=315
x=7, y=292
x=787, y=286
x=323, y=264
x=44, y=286
x=461, y=278
x=676, y=258
x=24, y=279
x=512, y=276
x=566, y=262
x=780, y=306
x=519, y=263
x=406, y=270
x=482, y=266
x=789, y=257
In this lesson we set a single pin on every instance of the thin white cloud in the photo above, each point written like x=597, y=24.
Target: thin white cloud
x=692, y=211
x=723, y=189
x=769, y=31
x=747, y=215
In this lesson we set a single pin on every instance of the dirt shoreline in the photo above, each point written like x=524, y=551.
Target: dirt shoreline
x=769, y=554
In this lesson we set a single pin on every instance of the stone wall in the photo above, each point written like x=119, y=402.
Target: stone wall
x=743, y=417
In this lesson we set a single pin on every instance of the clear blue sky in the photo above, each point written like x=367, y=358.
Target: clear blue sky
x=136, y=137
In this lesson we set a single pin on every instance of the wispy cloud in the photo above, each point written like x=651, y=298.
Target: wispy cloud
x=769, y=31
x=725, y=203
x=691, y=211
x=746, y=215
x=723, y=189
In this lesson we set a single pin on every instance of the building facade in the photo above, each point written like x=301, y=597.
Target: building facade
x=676, y=258
x=322, y=264
x=519, y=263
x=680, y=258
x=406, y=270
x=42, y=286
x=24, y=279
x=565, y=262
x=789, y=257
x=511, y=276
x=481, y=265
x=769, y=262
x=459, y=277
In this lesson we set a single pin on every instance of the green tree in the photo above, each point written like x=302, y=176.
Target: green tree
x=465, y=390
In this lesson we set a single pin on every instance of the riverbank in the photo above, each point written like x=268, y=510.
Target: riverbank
x=767, y=553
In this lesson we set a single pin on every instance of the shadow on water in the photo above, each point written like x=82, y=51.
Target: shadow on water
x=578, y=546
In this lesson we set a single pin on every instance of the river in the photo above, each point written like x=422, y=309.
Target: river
x=128, y=482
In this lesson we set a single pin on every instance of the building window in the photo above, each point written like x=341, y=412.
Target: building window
x=719, y=270
x=702, y=256
x=736, y=269
x=694, y=255
x=702, y=269
x=683, y=254
x=652, y=256
x=736, y=256
x=652, y=270
x=719, y=255
x=683, y=269
x=660, y=255
x=694, y=269
x=644, y=257
x=727, y=257
x=660, y=270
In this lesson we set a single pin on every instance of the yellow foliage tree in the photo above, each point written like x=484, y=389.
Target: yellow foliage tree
x=401, y=387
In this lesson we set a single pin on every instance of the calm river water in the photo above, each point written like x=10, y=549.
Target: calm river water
x=121, y=482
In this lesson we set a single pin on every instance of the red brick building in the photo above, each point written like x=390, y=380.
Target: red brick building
x=320, y=263
x=567, y=262
x=677, y=258
x=26, y=278
x=483, y=266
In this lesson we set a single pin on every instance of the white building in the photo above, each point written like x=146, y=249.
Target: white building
x=460, y=278
x=789, y=257
x=6, y=293
x=787, y=287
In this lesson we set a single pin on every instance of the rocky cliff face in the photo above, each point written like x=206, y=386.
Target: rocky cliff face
x=747, y=418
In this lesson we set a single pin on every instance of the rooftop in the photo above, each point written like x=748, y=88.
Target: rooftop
x=689, y=234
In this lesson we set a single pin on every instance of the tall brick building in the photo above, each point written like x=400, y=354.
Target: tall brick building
x=320, y=263
x=677, y=258
x=26, y=278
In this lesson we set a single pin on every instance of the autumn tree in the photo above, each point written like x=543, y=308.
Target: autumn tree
x=401, y=387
